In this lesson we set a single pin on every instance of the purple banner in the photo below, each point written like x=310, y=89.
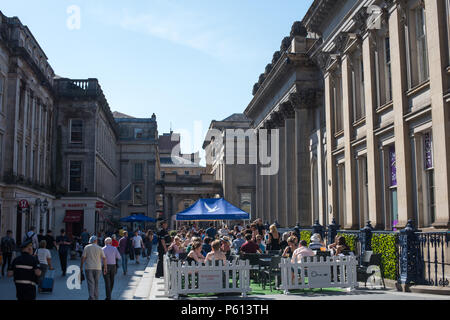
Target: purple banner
x=428, y=150
x=392, y=166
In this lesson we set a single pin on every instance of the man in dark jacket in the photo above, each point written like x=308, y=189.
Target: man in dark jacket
x=163, y=245
x=8, y=245
x=25, y=270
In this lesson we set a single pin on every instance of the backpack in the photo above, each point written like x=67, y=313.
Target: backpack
x=29, y=238
x=129, y=245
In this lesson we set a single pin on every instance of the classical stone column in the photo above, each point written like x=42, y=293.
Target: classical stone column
x=25, y=119
x=38, y=148
x=33, y=124
x=373, y=155
x=279, y=177
x=320, y=169
x=289, y=164
x=303, y=101
x=440, y=110
x=350, y=216
x=272, y=179
x=266, y=190
x=402, y=144
x=331, y=168
x=258, y=193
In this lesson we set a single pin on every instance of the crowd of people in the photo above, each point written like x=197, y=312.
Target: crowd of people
x=193, y=244
x=100, y=254
x=104, y=254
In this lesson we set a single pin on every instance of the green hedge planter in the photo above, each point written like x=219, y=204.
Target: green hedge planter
x=387, y=245
x=351, y=240
x=305, y=235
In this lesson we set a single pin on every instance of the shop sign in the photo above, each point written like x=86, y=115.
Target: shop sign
x=74, y=205
x=23, y=204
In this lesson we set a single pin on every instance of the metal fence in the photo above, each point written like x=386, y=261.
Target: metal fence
x=418, y=257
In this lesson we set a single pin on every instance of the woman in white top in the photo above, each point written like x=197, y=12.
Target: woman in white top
x=45, y=260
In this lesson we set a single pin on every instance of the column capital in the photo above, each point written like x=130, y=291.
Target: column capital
x=287, y=110
x=278, y=119
x=305, y=98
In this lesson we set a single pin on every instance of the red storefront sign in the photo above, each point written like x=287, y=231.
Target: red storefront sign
x=73, y=216
x=99, y=205
x=74, y=205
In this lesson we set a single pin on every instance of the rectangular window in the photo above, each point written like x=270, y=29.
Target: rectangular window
x=341, y=193
x=138, y=195
x=429, y=170
x=75, y=176
x=138, y=133
x=357, y=86
x=363, y=193
x=393, y=187
x=76, y=131
x=2, y=91
x=447, y=9
x=336, y=89
x=1, y=152
x=388, y=74
x=421, y=39
x=138, y=171
x=246, y=202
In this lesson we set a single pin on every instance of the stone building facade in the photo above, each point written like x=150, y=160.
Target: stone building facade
x=182, y=180
x=27, y=114
x=64, y=158
x=369, y=130
x=138, y=161
x=238, y=177
x=85, y=157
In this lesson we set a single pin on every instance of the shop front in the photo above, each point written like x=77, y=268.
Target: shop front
x=75, y=215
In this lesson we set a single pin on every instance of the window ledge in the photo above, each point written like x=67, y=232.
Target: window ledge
x=359, y=122
x=418, y=88
x=384, y=107
x=339, y=133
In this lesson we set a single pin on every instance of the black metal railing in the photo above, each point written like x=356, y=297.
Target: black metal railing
x=418, y=257
x=434, y=253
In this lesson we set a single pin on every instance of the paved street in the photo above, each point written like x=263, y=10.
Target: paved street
x=124, y=287
x=141, y=284
x=157, y=293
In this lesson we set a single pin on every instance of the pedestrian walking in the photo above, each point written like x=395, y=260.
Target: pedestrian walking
x=45, y=261
x=92, y=259
x=84, y=238
x=163, y=245
x=8, y=245
x=51, y=243
x=64, y=246
x=41, y=236
x=148, y=243
x=112, y=256
x=31, y=235
x=124, y=250
x=138, y=245
x=25, y=270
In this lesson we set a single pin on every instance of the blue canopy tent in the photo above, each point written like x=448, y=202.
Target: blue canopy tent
x=138, y=218
x=212, y=209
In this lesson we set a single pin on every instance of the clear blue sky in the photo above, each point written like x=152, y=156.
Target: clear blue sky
x=186, y=61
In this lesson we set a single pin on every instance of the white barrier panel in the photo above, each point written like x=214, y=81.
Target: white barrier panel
x=181, y=278
x=315, y=272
